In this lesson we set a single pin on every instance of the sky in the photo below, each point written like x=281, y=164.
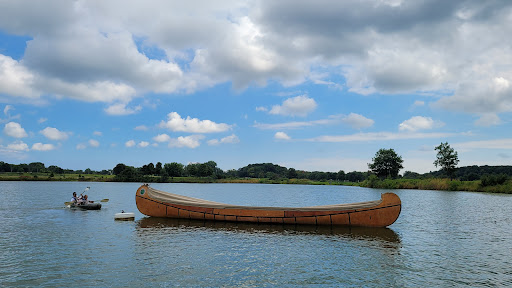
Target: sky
x=311, y=85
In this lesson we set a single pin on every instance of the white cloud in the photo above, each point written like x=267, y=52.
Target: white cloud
x=192, y=125
x=296, y=106
x=505, y=144
x=94, y=143
x=485, y=96
x=43, y=147
x=188, y=141
x=419, y=123
x=129, y=143
x=7, y=113
x=489, y=119
x=143, y=144
x=54, y=134
x=97, y=133
x=354, y=120
x=121, y=109
x=261, y=109
x=81, y=146
x=281, y=136
x=18, y=146
x=290, y=125
x=377, y=136
x=231, y=139
x=387, y=47
x=141, y=128
x=16, y=79
x=162, y=138
x=42, y=120
x=357, y=121
x=15, y=130
x=418, y=103
x=100, y=91
x=91, y=143
x=7, y=109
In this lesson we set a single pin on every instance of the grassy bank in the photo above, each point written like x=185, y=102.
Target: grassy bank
x=373, y=182
x=438, y=184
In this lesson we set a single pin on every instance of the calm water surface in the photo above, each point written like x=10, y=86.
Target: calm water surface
x=441, y=239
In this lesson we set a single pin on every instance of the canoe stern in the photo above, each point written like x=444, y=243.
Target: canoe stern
x=382, y=215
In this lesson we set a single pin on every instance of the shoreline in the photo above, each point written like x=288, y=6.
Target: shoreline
x=441, y=184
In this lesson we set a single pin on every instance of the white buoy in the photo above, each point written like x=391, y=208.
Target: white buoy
x=124, y=216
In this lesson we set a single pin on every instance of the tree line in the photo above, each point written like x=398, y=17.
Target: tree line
x=271, y=171
x=39, y=167
x=386, y=164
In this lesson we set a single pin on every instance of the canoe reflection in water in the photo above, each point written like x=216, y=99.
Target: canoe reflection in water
x=380, y=234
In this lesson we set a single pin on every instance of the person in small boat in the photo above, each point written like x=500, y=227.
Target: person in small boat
x=86, y=201
x=74, y=200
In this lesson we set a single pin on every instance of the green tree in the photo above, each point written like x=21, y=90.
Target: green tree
x=119, y=168
x=292, y=173
x=386, y=163
x=205, y=170
x=340, y=176
x=174, y=169
x=447, y=159
x=36, y=167
x=55, y=169
x=129, y=174
x=148, y=169
x=355, y=176
x=158, y=168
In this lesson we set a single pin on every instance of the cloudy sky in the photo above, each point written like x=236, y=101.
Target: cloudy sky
x=314, y=85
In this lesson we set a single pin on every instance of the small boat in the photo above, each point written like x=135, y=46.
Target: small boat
x=88, y=206
x=378, y=213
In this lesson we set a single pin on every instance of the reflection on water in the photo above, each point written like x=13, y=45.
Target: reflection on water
x=233, y=254
x=367, y=233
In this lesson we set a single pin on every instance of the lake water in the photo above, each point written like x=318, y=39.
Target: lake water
x=441, y=239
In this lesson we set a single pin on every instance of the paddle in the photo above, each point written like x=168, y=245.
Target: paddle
x=85, y=190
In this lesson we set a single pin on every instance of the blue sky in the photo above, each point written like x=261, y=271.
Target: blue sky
x=311, y=85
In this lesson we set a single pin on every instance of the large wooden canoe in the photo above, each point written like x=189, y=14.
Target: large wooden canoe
x=378, y=213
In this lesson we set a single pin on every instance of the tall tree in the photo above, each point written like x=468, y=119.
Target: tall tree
x=386, y=163
x=36, y=167
x=447, y=159
x=340, y=176
x=119, y=168
x=174, y=169
x=292, y=173
x=158, y=168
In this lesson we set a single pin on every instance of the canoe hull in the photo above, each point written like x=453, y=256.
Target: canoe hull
x=382, y=214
